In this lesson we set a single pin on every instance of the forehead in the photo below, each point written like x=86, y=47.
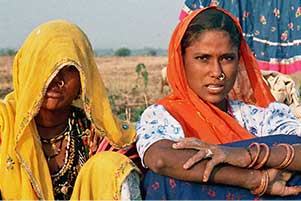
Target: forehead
x=213, y=40
x=218, y=35
x=68, y=68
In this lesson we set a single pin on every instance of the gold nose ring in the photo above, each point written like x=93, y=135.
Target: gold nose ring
x=60, y=84
x=222, y=76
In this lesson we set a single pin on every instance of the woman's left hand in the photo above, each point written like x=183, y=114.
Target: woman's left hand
x=217, y=154
x=278, y=183
x=94, y=142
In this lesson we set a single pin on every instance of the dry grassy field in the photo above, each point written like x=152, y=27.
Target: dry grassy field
x=120, y=77
x=6, y=63
x=124, y=86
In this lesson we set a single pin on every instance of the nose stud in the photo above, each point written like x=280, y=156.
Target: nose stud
x=60, y=83
x=221, y=77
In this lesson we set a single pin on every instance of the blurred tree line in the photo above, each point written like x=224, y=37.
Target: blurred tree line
x=7, y=52
x=121, y=52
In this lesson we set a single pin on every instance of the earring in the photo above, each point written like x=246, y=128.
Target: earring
x=221, y=77
x=60, y=83
x=78, y=95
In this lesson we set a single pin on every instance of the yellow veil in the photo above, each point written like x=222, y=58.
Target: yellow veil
x=49, y=47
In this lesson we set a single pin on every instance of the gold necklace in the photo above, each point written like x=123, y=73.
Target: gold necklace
x=55, y=138
x=56, y=151
x=53, y=142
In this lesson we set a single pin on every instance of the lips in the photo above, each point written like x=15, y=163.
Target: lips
x=53, y=94
x=215, y=88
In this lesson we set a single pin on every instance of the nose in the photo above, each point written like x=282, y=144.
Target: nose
x=56, y=81
x=216, y=69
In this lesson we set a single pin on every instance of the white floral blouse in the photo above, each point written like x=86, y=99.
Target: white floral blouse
x=156, y=123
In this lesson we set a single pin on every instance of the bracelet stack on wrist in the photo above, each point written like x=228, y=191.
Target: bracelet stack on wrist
x=263, y=186
x=254, y=161
x=290, y=154
x=254, y=155
x=265, y=158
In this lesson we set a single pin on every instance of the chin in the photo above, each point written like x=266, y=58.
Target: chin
x=214, y=100
x=51, y=106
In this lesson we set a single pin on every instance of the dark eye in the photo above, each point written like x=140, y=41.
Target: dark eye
x=71, y=69
x=202, y=58
x=229, y=58
x=68, y=70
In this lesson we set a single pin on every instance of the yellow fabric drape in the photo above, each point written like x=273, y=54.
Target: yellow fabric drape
x=111, y=175
x=49, y=47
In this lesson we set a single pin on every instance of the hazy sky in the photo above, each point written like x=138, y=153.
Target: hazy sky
x=108, y=23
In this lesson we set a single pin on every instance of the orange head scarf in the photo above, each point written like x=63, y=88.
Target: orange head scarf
x=201, y=119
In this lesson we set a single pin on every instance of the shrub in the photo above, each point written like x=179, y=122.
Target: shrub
x=122, y=52
x=152, y=52
x=127, y=108
x=7, y=52
x=142, y=72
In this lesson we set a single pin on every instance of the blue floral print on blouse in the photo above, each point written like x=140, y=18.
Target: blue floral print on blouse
x=157, y=124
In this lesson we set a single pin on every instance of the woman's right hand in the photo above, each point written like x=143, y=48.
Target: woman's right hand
x=217, y=154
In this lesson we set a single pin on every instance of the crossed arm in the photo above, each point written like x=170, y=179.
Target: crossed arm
x=167, y=159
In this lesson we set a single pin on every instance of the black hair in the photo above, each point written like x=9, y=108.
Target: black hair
x=210, y=19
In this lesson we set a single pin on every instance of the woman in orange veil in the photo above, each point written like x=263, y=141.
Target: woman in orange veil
x=218, y=97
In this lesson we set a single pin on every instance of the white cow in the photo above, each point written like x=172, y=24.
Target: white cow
x=164, y=81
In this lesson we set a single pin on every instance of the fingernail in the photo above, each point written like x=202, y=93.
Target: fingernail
x=204, y=179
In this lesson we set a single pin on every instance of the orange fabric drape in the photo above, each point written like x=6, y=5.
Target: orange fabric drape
x=204, y=120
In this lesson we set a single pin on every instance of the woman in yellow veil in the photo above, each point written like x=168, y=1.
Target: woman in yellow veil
x=54, y=120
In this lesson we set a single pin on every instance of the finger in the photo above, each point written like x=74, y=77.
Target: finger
x=194, y=159
x=187, y=139
x=96, y=140
x=286, y=175
x=92, y=134
x=189, y=144
x=191, y=140
x=91, y=138
x=291, y=190
x=209, y=167
x=185, y=146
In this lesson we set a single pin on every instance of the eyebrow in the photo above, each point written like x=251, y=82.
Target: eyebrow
x=207, y=54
